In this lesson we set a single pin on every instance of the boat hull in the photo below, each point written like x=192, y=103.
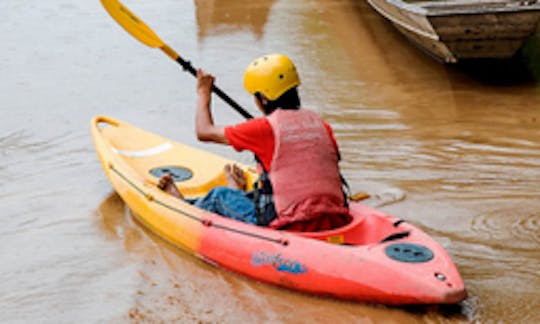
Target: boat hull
x=377, y=258
x=457, y=30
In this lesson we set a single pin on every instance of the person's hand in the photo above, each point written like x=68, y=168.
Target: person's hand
x=205, y=81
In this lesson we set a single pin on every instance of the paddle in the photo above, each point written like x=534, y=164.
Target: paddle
x=138, y=29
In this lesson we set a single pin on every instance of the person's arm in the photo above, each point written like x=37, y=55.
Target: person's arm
x=204, y=123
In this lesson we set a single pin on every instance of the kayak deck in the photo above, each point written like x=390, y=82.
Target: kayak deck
x=139, y=149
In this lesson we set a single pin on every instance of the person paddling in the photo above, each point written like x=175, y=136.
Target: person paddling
x=300, y=186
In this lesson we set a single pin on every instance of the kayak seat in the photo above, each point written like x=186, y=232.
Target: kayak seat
x=336, y=235
x=366, y=227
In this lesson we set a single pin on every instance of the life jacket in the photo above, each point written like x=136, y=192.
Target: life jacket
x=304, y=173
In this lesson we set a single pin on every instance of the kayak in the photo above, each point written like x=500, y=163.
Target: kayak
x=376, y=258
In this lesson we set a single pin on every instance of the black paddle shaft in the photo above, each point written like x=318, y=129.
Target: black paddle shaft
x=188, y=67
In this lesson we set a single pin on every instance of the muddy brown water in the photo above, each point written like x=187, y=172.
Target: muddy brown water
x=456, y=148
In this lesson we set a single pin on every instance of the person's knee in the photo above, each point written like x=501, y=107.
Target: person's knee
x=218, y=192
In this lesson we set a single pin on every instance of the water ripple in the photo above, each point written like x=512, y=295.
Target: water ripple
x=516, y=228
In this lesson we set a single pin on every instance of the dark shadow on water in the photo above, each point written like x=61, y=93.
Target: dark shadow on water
x=515, y=71
x=522, y=69
x=457, y=312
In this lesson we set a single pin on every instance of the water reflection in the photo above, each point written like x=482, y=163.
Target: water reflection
x=439, y=114
x=215, y=17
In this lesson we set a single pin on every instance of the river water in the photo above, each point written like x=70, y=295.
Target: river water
x=456, y=148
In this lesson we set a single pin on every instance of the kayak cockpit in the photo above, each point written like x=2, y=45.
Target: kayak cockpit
x=367, y=226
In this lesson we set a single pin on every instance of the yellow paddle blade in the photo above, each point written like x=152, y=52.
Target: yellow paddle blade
x=131, y=23
x=359, y=196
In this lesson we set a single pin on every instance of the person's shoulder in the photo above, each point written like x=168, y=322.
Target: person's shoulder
x=308, y=111
x=252, y=125
x=315, y=114
x=255, y=122
x=319, y=117
x=250, y=134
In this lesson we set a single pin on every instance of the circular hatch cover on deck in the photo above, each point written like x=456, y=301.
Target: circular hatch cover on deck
x=407, y=252
x=178, y=173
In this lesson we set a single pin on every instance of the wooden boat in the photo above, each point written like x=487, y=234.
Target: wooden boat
x=376, y=258
x=452, y=30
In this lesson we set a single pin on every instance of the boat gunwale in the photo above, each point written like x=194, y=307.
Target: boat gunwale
x=460, y=7
x=407, y=7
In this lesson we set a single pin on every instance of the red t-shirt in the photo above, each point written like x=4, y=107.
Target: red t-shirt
x=257, y=136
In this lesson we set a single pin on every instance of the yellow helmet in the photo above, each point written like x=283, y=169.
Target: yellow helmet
x=272, y=75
